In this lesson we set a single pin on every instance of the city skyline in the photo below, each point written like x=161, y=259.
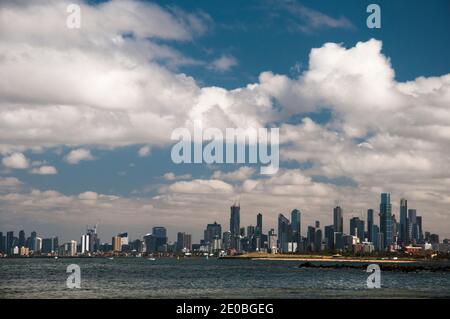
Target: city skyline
x=358, y=227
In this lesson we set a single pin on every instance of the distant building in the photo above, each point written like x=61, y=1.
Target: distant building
x=386, y=219
x=338, y=220
x=283, y=233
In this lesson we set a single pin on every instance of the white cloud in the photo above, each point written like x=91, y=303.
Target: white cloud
x=170, y=176
x=78, y=155
x=144, y=151
x=16, y=161
x=224, y=63
x=44, y=170
x=241, y=174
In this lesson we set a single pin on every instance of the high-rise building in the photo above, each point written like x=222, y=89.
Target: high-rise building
x=9, y=242
x=357, y=228
x=160, y=233
x=50, y=245
x=329, y=237
x=318, y=240
x=272, y=238
x=403, y=231
x=85, y=244
x=235, y=220
x=386, y=220
x=419, y=229
x=212, y=231
x=32, y=241
x=259, y=225
x=369, y=224
x=376, y=237
x=22, y=238
x=2, y=243
x=296, y=222
x=283, y=233
x=338, y=220
x=184, y=242
x=310, y=238
x=226, y=240
x=412, y=226
x=116, y=244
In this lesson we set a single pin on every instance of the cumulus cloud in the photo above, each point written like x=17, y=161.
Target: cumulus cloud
x=16, y=161
x=44, y=170
x=241, y=174
x=78, y=155
x=224, y=63
x=170, y=176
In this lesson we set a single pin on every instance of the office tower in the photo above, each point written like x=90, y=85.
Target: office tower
x=386, y=220
x=160, y=233
x=310, y=238
x=73, y=248
x=338, y=221
x=94, y=241
x=212, y=231
x=369, y=224
x=32, y=243
x=259, y=225
x=184, y=242
x=116, y=244
x=395, y=229
x=283, y=231
x=22, y=238
x=235, y=220
x=272, y=241
x=329, y=237
x=412, y=225
x=338, y=241
x=50, y=245
x=84, y=244
x=403, y=231
x=38, y=244
x=357, y=228
x=9, y=241
x=376, y=237
x=226, y=240
x=2, y=243
x=296, y=223
x=318, y=240
x=250, y=231
x=419, y=229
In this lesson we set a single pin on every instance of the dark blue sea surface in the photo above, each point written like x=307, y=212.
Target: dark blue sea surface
x=202, y=278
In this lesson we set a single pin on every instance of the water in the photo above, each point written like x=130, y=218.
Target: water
x=201, y=278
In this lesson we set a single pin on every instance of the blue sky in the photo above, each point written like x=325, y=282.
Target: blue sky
x=251, y=37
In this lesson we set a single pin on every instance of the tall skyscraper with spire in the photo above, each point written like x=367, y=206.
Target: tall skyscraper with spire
x=386, y=219
x=235, y=220
x=338, y=220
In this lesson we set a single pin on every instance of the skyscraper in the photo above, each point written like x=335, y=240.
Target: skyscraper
x=310, y=238
x=386, y=219
x=419, y=229
x=404, y=240
x=2, y=243
x=9, y=241
x=412, y=225
x=283, y=233
x=235, y=220
x=338, y=221
x=329, y=237
x=212, y=231
x=357, y=228
x=22, y=238
x=296, y=222
x=160, y=233
x=184, y=242
x=259, y=225
x=369, y=224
